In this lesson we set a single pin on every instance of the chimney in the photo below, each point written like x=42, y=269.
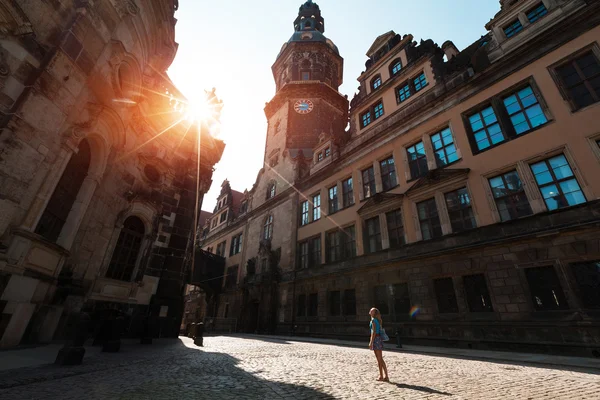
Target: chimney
x=450, y=49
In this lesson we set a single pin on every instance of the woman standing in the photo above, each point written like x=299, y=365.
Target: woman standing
x=376, y=344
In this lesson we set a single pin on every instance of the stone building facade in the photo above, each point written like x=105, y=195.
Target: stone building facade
x=461, y=201
x=98, y=167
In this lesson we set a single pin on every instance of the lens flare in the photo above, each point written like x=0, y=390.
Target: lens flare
x=414, y=311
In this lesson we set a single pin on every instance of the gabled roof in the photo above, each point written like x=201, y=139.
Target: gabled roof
x=436, y=176
x=236, y=198
x=380, y=41
x=204, y=216
x=380, y=201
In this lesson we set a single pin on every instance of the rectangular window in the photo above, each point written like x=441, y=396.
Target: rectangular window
x=214, y=222
x=244, y=207
x=513, y=28
x=365, y=119
x=537, y=12
x=460, y=210
x=486, y=128
x=368, y=176
x=378, y=110
x=306, y=76
x=524, y=110
x=580, y=80
x=347, y=193
x=429, y=219
x=546, y=292
x=557, y=183
x=221, y=249
x=333, y=200
x=403, y=93
x=401, y=301
x=317, y=207
x=417, y=160
x=335, y=303
x=236, y=245
x=388, y=173
x=327, y=152
x=376, y=83
x=395, y=228
x=420, y=82
x=587, y=275
x=301, y=307
x=381, y=299
x=303, y=255
x=320, y=157
x=349, y=302
x=510, y=197
x=372, y=235
x=223, y=217
x=446, y=297
x=349, y=242
x=313, y=305
x=334, y=246
x=305, y=212
x=478, y=296
x=444, y=148
x=315, y=251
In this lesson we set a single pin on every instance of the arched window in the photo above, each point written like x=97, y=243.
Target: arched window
x=395, y=67
x=376, y=82
x=126, y=252
x=271, y=191
x=268, y=228
x=54, y=217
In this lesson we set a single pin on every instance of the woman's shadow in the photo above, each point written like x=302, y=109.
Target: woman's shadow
x=424, y=389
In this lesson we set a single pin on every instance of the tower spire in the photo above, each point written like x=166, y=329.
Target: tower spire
x=309, y=18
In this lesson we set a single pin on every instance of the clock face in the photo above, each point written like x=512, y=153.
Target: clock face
x=303, y=106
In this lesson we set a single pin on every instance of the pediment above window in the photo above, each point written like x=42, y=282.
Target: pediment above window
x=435, y=178
x=380, y=203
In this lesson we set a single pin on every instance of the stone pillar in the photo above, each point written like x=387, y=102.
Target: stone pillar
x=21, y=315
x=77, y=212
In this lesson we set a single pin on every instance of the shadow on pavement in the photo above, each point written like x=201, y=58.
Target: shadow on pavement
x=261, y=338
x=424, y=389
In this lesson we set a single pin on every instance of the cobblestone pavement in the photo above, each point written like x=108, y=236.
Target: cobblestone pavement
x=239, y=368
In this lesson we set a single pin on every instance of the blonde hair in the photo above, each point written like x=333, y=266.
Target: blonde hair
x=377, y=316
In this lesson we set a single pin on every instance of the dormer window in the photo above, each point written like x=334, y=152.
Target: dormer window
x=376, y=82
x=513, y=28
x=244, y=207
x=306, y=76
x=537, y=12
x=327, y=152
x=396, y=66
x=320, y=157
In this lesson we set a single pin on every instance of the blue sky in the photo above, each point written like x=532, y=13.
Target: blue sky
x=231, y=45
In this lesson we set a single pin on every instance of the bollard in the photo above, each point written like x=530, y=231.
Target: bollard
x=398, y=343
x=146, y=332
x=73, y=351
x=199, y=335
x=114, y=329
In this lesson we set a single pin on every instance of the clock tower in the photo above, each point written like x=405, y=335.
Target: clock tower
x=307, y=108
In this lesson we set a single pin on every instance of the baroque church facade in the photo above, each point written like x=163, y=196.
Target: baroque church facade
x=455, y=192
x=97, y=168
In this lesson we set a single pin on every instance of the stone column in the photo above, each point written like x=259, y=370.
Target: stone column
x=77, y=212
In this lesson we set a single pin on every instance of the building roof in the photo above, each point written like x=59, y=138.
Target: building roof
x=204, y=216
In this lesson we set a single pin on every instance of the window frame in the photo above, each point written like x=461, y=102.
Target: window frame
x=443, y=303
x=556, y=296
x=377, y=235
x=371, y=183
x=236, y=244
x=371, y=114
x=268, y=227
x=496, y=102
x=348, y=194
x=334, y=308
x=460, y=210
x=514, y=205
x=271, y=190
x=388, y=173
x=594, y=48
x=393, y=64
x=332, y=199
x=514, y=32
x=376, y=78
x=397, y=229
x=444, y=146
x=429, y=219
x=304, y=212
x=538, y=16
x=556, y=182
x=484, y=295
x=316, y=206
x=417, y=160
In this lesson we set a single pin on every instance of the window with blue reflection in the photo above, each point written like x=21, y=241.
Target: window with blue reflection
x=444, y=147
x=537, y=12
x=420, y=82
x=403, y=93
x=524, y=110
x=557, y=183
x=486, y=129
x=513, y=28
x=378, y=110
